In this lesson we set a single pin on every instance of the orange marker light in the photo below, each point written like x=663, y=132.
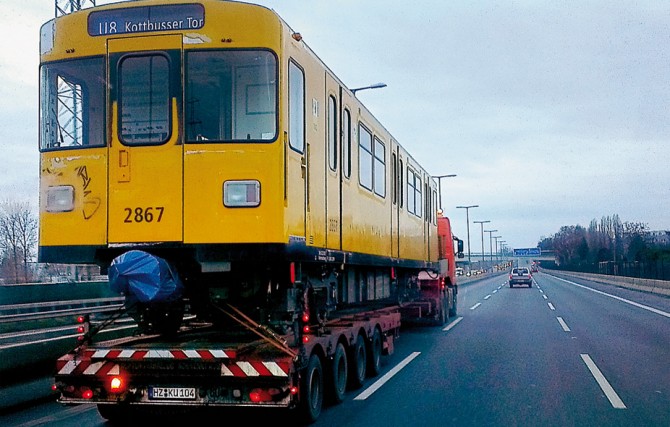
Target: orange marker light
x=116, y=384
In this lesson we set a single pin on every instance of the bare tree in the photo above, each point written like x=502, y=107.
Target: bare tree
x=18, y=238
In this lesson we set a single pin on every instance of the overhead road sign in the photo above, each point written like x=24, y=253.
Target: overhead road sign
x=527, y=252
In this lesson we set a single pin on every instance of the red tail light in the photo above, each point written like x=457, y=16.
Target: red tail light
x=262, y=395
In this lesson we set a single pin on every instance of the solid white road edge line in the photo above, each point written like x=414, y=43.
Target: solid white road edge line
x=636, y=304
x=380, y=382
x=603, y=383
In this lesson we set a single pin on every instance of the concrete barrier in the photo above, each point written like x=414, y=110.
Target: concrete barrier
x=647, y=285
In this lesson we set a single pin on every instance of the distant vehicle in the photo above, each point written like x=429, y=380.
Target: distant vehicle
x=459, y=271
x=520, y=276
x=533, y=268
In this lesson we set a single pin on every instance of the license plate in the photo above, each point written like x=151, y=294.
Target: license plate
x=172, y=393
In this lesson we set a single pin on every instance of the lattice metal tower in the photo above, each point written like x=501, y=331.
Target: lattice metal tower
x=63, y=7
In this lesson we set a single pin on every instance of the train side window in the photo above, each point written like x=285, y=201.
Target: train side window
x=364, y=157
x=145, y=99
x=414, y=199
x=411, y=203
x=379, y=168
x=332, y=133
x=346, y=143
x=296, y=107
x=418, y=196
x=72, y=104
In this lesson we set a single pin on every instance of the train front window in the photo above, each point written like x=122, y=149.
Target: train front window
x=72, y=104
x=231, y=96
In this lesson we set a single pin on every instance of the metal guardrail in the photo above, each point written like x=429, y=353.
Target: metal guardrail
x=52, y=309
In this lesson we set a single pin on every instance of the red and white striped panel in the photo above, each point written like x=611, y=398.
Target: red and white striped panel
x=134, y=354
x=68, y=365
x=255, y=368
x=90, y=364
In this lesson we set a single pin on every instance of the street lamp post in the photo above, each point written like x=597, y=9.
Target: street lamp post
x=467, y=219
x=482, y=224
x=372, y=86
x=439, y=185
x=502, y=249
x=496, y=239
x=491, y=243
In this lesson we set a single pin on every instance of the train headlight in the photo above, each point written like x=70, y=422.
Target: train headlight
x=241, y=193
x=60, y=198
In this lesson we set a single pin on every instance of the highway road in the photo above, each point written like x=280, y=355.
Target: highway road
x=565, y=352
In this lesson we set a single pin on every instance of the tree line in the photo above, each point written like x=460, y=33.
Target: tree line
x=609, y=240
x=18, y=239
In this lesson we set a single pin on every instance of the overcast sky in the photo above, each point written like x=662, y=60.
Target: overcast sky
x=550, y=113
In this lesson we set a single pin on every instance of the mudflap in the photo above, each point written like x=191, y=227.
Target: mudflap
x=388, y=346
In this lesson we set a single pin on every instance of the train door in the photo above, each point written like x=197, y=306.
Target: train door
x=333, y=179
x=296, y=181
x=427, y=210
x=145, y=153
x=395, y=205
x=430, y=217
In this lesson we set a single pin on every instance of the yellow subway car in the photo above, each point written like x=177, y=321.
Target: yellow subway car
x=209, y=134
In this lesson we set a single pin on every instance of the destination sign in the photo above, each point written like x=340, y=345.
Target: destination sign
x=528, y=252
x=146, y=19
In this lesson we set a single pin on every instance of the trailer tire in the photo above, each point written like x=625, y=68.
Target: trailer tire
x=339, y=370
x=375, y=362
x=311, y=397
x=358, y=361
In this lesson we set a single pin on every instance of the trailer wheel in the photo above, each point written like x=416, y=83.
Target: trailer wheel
x=339, y=370
x=358, y=361
x=375, y=365
x=311, y=395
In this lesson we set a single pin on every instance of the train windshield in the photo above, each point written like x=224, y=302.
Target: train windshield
x=72, y=104
x=231, y=96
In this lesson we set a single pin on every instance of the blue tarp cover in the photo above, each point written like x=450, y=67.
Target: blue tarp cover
x=144, y=277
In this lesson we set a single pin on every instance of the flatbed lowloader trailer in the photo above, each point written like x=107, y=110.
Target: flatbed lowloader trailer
x=245, y=367
x=237, y=362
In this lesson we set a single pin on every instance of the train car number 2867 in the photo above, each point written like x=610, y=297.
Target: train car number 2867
x=144, y=214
